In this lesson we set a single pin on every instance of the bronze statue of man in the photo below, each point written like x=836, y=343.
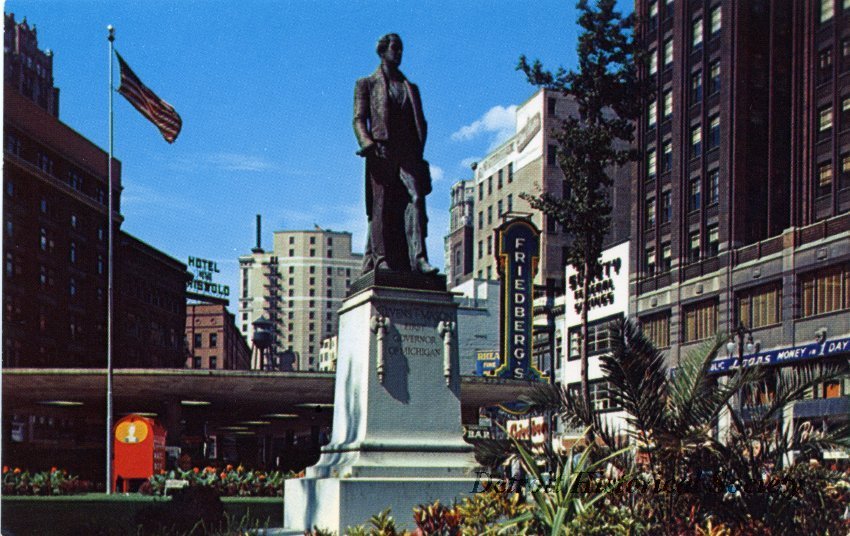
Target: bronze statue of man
x=391, y=131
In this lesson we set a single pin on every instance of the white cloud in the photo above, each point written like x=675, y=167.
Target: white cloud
x=437, y=173
x=498, y=121
x=240, y=162
x=137, y=197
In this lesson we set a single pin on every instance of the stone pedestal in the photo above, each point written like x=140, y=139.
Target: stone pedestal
x=397, y=439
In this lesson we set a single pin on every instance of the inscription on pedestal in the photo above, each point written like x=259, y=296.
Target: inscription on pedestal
x=414, y=332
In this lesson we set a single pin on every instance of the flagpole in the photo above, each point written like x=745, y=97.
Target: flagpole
x=110, y=290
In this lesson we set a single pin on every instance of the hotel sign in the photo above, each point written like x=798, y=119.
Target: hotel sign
x=202, y=281
x=782, y=356
x=517, y=256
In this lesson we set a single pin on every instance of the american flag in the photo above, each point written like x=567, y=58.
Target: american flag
x=158, y=112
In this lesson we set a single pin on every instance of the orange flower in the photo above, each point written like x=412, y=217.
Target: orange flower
x=5, y=469
x=262, y=477
x=229, y=467
x=209, y=469
x=196, y=470
x=162, y=471
x=223, y=475
x=53, y=470
x=17, y=471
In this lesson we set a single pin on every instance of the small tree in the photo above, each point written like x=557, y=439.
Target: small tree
x=605, y=87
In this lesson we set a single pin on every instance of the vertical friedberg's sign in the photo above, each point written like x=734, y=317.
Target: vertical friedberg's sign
x=517, y=256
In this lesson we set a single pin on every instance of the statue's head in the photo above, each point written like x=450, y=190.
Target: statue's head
x=390, y=49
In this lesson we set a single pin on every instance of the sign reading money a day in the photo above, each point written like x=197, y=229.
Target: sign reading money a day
x=517, y=257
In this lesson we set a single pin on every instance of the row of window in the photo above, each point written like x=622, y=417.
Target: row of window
x=502, y=206
x=821, y=292
x=197, y=362
x=824, y=177
x=198, y=340
x=694, y=251
x=696, y=147
x=664, y=212
x=826, y=121
x=312, y=240
x=500, y=181
x=824, y=65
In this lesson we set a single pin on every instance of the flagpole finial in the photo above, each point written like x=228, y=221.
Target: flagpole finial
x=111, y=30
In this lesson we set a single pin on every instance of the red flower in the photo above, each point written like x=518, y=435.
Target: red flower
x=223, y=475
x=53, y=470
x=5, y=469
x=196, y=470
x=17, y=471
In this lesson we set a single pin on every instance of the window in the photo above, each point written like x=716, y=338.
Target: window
x=656, y=328
x=213, y=340
x=45, y=163
x=213, y=362
x=666, y=206
x=649, y=260
x=653, y=62
x=694, y=193
x=824, y=291
x=13, y=144
x=552, y=155
x=100, y=264
x=668, y=53
x=501, y=175
x=312, y=240
x=42, y=239
x=650, y=213
x=827, y=10
x=696, y=33
x=666, y=257
x=713, y=132
x=72, y=287
x=510, y=172
x=598, y=337
x=696, y=141
x=480, y=219
x=652, y=114
x=716, y=21
x=510, y=202
x=761, y=306
x=651, y=167
x=824, y=186
x=714, y=77
x=667, y=156
x=825, y=119
x=75, y=180
x=550, y=105
x=600, y=396
x=490, y=245
x=713, y=187
x=490, y=215
x=845, y=112
x=490, y=185
x=696, y=87
x=73, y=253
x=700, y=321
x=713, y=246
x=499, y=208
x=199, y=340
x=668, y=104
x=844, y=180
x=196, y=362
x=481, y=191
x=825, y=65
x=480, y=249
x=652, y=20
x=312, y=252
x=693, y=246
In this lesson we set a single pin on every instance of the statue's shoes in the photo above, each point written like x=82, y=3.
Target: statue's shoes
x=423, y=267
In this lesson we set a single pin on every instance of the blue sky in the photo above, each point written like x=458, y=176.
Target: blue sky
x=265, y=91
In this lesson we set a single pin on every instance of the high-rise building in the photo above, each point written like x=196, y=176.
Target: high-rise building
x=55, y=233
x=459, y=242
x=299, y=286
x=740, y=202
x=212, y=339
x=527, y=163
x=55, y=220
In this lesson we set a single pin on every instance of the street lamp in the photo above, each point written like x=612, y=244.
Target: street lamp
x=742, y=339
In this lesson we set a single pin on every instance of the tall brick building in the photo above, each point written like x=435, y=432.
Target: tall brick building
x=741, y=201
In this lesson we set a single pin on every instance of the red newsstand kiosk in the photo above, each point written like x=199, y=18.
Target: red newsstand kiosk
x=139, y=450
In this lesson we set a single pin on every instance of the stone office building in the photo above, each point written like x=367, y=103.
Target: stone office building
x=741, y=201
x=299, y=285
x=527, y=163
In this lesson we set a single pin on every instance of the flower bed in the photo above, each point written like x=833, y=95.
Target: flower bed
x=53, y=482
x=229, y=482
